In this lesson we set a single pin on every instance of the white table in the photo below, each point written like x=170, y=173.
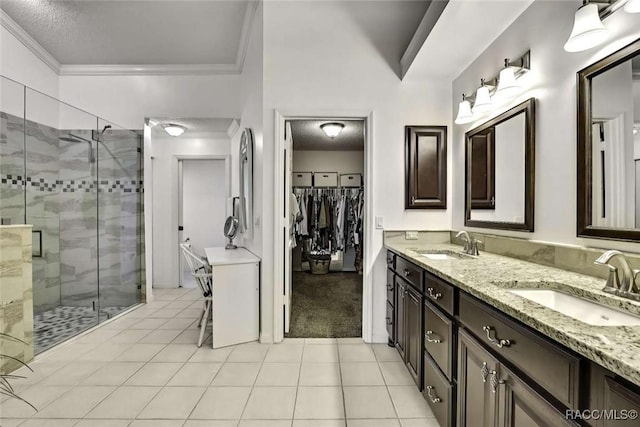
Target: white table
x=236, y=295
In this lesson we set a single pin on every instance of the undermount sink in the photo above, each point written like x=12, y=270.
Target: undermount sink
x=580, y=309
x=444, y=255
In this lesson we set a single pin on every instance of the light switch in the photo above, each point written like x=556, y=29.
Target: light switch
x=411, y=235
x=379, y=222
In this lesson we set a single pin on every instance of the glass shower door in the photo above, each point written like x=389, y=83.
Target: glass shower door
x=61, y=203
x=119, y=218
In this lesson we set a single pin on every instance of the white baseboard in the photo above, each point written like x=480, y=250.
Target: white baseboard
x=266, y=339
x=380, y=338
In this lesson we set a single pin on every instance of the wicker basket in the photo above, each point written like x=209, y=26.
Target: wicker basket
x=319, y=263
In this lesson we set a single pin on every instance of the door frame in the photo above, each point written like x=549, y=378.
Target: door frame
x=176, y=217
x=280, y=218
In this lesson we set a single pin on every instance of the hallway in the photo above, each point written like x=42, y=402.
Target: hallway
x=144, y=369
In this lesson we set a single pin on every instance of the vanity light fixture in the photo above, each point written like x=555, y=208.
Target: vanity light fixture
x=483, y=102
x=174, y=129
x=588, y=30
x=508, y=86
x=632, y=6
x=464, y=112
x=332, y=129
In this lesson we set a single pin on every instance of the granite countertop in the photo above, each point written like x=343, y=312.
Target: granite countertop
x=489, y=278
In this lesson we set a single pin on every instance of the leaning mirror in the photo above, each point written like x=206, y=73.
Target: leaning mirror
x=499, y=171
x=609, y=146
x=246, y=181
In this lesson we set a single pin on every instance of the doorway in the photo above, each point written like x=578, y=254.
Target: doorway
x=324, y=271
x=202, y=207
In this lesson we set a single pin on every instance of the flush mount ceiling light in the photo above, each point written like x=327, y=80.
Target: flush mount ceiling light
x=464, y=112
x=332, y=129
x=632, y=6
x=483, y=102
x=508, y=86
x=173, y=129
x=588, y=30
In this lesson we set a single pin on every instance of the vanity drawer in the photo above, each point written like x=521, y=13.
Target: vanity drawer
x=409, y=272
x=547, y=364
x=437, y=392
x=439, y=292
x=438, y=338
x=390, y=286
x=389, y=322
x=391, y=260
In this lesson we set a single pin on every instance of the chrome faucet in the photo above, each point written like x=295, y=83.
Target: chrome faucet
x=626, y=287
x=470, y=244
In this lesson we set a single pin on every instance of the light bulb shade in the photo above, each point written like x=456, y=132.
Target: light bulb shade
x=464, y=113
x=173, y=129
x=508, y=86
x=588, y=30
x=332, y=129
x=483, y=102
x=632, y=6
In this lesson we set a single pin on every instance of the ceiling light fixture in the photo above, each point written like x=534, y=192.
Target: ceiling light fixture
x=483, y=102
x=508, y=86
x=332, y=129
x=174, y=129
x=464, y=112
x=588, y=30
x=632, y=6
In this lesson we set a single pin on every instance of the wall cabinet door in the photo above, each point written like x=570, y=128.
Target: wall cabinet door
x=401, y=296
x=413, y=330
x=477, y=403
x=425, y=167
x=483, y=186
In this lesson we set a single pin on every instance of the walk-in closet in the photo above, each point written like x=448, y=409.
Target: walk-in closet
x=327, y=228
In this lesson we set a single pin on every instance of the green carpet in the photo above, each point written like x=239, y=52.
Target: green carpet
x=326, y=306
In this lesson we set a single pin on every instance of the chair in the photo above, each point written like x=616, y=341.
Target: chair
x=202, y=273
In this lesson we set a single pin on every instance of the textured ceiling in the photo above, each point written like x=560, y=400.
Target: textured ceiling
x=307, y=136
x=133, y=32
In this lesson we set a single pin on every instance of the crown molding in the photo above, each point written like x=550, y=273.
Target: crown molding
x=29, y=42
x=149, y=70
x=247, y=27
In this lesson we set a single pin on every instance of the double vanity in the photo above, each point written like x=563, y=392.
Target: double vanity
x=493, y=340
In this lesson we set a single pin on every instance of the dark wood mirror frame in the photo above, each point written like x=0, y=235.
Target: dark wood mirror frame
x=528, y=108
x=584, y=227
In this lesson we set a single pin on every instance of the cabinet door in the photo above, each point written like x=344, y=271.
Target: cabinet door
x=483, y=186
x=520, y=405
x=425, y=167
x=476, y=401
x=401, y=295
x=413, y=330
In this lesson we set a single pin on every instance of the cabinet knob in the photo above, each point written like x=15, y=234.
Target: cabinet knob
x=427, y=336
x=406, y=273
x=495, y=382
x=389, y=287
x=432, y=395
x=434, y=295
x=484, y=372
x=495, y=341
x=389, y=321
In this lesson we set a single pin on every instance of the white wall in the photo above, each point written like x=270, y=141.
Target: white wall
x=328, y=161
x=299, y=79
x=165, y=150
x=543, y=28
x=20, y=64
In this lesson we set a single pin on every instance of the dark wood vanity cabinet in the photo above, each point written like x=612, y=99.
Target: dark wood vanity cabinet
x=413, y=331
x=618, y=396
x=399, y=316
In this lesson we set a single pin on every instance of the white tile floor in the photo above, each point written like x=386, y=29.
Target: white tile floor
x=145, y=370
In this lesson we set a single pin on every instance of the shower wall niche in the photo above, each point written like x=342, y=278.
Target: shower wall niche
x=78, y=180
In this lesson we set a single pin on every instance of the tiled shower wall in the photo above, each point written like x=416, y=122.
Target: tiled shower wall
x=66, y=202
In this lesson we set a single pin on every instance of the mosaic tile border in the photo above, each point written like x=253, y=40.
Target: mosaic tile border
x=18, y=182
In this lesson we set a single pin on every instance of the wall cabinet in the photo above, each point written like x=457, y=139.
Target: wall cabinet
x=425, y=167
x=478, y=367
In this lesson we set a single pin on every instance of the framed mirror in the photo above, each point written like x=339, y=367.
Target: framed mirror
x=609, y=146
x=499, y=172
x=246, y=182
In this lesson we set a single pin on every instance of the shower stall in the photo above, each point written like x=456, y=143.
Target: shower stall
x=77, y=179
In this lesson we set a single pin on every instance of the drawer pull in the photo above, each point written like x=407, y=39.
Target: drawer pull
x=495, y=341
x=484, y=372
x=406, y=273
x=389, y=261
x=429, y=339
x=495, y=382
x=432, y=396
x=389, y=287
x=434, y=295
x=389, y=321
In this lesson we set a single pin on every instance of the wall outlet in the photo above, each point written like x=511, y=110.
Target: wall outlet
x=379, y=222
x=411, y=235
